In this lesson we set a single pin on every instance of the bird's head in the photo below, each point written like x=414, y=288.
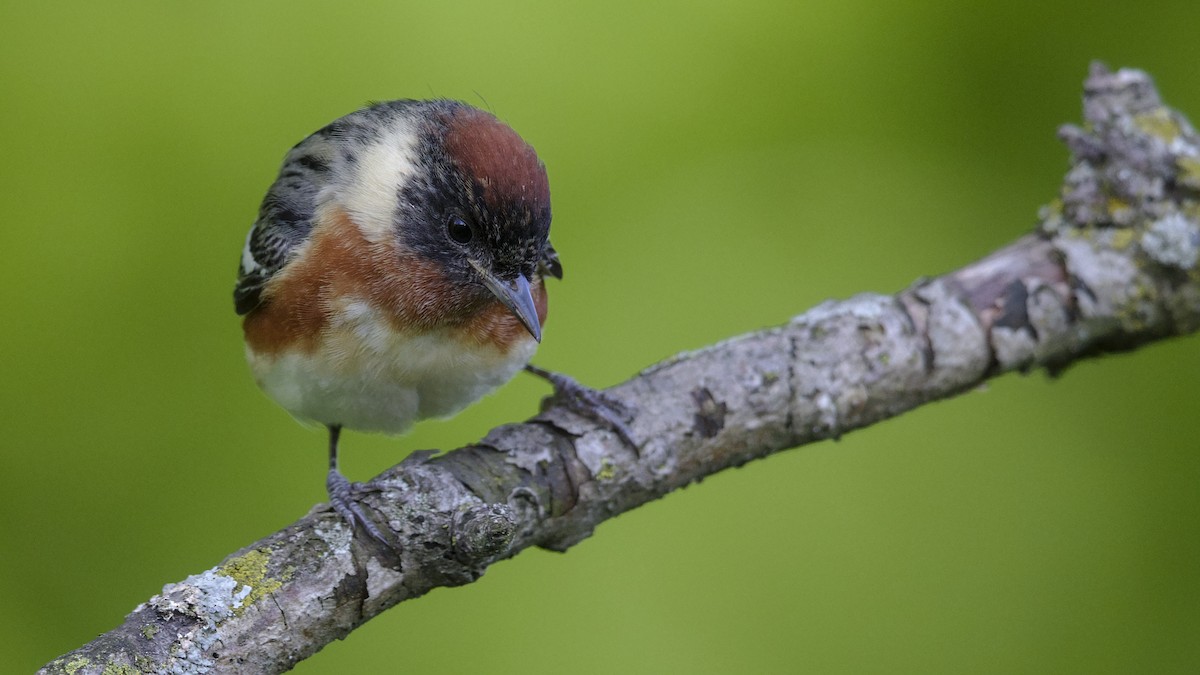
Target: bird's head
x=456, y=194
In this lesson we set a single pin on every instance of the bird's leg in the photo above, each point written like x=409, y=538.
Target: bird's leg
x=591, y=403
x=341, y=491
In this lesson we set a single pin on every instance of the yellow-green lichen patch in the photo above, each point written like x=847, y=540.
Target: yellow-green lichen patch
x=120, y=669
x=1122, y=238
x=1158, y=123
x=1191, y=210
x=1133, y=314
x=607, y=470
x=1189, y=171
x=250, y=570
x=75, y=664
x=1119, y=211
x=149, y=631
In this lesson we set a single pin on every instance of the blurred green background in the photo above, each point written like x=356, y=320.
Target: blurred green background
x=715, y=169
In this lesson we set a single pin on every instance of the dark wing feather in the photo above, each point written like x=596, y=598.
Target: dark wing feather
x=549, y=263
x=284, y=220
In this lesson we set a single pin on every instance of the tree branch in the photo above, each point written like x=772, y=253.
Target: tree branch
x=1111, y=266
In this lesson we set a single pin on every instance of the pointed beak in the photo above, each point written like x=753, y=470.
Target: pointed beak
x=516, y=296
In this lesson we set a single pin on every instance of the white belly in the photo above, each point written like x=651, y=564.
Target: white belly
x=366, y=377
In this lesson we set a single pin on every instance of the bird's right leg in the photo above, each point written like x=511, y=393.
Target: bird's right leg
x=341, y=491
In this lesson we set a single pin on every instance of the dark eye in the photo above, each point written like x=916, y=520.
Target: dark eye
x=458, y=230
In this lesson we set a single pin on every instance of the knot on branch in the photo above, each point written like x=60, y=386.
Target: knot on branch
x=484, y=532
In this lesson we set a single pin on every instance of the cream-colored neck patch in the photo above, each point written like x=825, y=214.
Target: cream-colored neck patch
x=383, y=165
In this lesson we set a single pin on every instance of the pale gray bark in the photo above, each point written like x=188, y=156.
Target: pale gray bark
x=1111, y=266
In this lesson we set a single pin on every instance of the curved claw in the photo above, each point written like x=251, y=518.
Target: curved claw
x=591, y=403
x=341, y=498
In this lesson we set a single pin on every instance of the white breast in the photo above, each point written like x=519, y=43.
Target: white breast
x=367, y=377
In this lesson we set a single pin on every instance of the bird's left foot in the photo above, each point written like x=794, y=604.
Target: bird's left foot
x=591, y=403
x=343, y=497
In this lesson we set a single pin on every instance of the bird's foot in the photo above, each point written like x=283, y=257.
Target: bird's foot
x=343, y=496
x=591, y=403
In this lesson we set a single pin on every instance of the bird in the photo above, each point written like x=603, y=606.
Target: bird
x=396, y=272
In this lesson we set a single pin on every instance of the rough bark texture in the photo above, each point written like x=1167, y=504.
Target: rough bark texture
x=1112, y=266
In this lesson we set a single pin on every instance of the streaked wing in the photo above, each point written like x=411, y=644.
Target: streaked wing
x=284, y=220
x=550, y=264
